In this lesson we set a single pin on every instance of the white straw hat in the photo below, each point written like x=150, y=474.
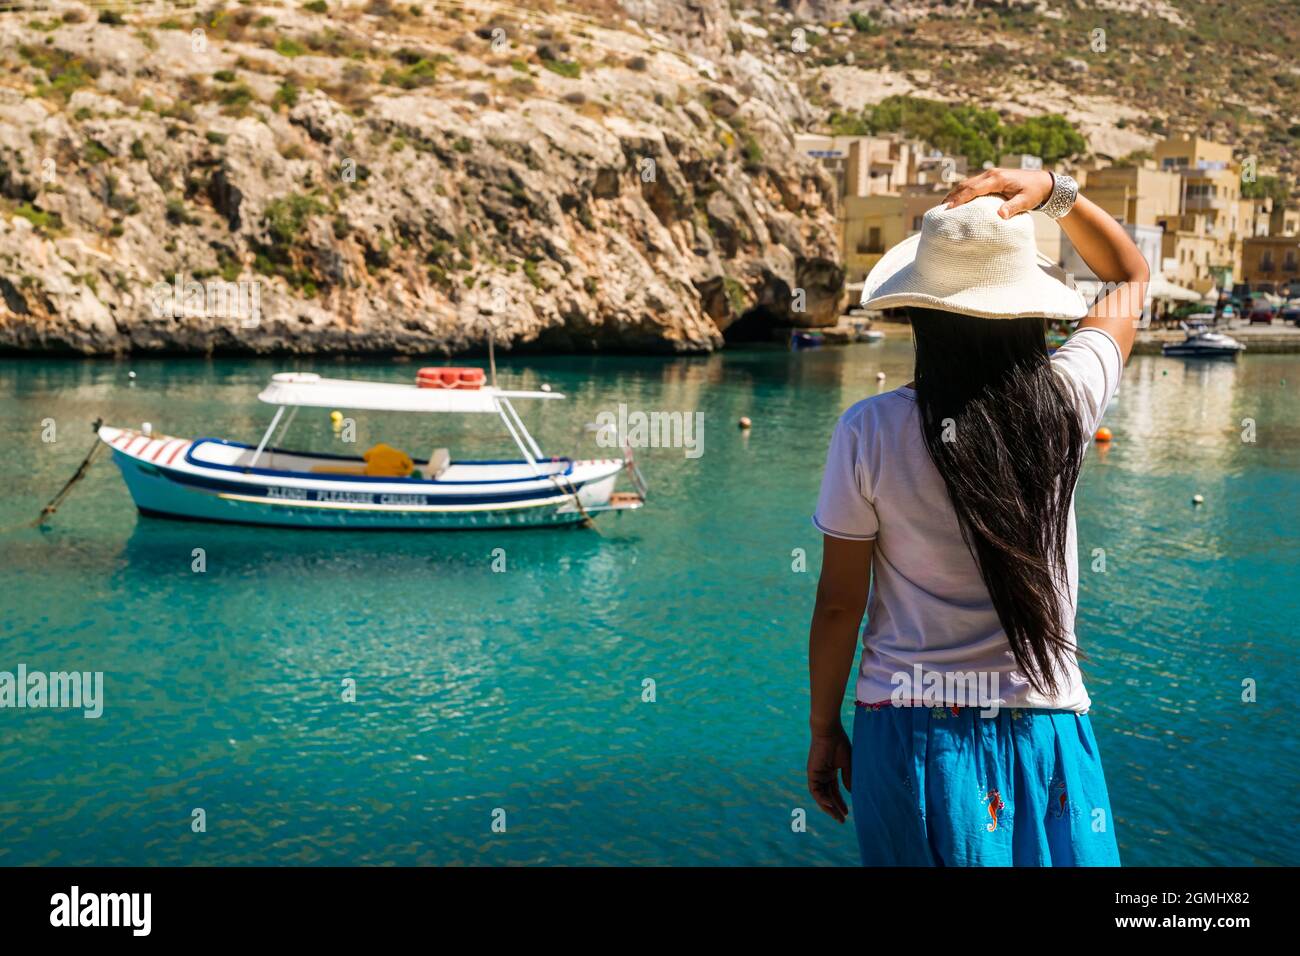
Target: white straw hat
x=970, y=260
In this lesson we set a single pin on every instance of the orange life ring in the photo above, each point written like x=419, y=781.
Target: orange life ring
x=450, y=377
x=430, y=378
x=471, y=378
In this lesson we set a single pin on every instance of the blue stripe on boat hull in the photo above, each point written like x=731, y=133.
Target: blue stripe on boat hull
x=277, y=473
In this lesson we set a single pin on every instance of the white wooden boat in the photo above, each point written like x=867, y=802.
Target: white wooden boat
x=212, y=479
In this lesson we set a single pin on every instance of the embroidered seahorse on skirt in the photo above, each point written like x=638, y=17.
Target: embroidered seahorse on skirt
x=995, y=804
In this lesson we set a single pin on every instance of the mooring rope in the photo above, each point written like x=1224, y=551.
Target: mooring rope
x=57, y=500
x=573, y=492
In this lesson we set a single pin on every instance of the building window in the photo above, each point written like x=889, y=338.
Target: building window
x=871, y=244
x=873, y=240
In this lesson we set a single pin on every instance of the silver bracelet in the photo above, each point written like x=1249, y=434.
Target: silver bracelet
x=1062, y=198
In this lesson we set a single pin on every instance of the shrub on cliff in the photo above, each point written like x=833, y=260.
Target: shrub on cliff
x=567, y=68
x=65, y=72
x=418, y=74
x=285, y=218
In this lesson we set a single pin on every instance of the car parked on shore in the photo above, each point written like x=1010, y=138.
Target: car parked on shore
x=1261, y=313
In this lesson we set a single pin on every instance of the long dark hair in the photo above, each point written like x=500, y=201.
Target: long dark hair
x=1001, y=430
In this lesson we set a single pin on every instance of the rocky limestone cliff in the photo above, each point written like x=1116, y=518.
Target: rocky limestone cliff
x=383, y=177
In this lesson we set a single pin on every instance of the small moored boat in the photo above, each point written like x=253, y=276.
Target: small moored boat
x=1203, y=342
x=800, y=339
x=212, y=479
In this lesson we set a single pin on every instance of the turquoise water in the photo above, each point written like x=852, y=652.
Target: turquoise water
x=522, y=691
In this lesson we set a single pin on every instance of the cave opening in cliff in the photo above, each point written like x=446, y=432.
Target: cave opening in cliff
x=759, y=324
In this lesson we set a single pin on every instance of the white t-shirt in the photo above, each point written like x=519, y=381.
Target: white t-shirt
x=929, y=608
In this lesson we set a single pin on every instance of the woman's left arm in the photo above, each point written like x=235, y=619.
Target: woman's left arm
x=832, y=643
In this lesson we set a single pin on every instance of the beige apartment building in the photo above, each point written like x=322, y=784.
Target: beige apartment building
x=1139, y=195
x=872, y=225
x=883, y=185
x=1205, y=238
x=1272, y=262
x=869, y=225
x=1284, y=220
x=862, y=165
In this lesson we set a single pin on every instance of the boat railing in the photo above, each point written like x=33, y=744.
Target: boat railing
x=634, y=472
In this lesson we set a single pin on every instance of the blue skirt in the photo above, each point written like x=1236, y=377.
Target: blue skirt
x=942, y=786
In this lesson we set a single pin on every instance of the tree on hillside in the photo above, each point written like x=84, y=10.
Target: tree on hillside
x=965, y=130
x=1051, y=137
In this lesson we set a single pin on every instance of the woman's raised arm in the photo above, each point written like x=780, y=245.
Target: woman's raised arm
x=1115, y=260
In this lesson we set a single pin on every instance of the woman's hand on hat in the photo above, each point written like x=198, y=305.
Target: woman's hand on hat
x=1023, y=189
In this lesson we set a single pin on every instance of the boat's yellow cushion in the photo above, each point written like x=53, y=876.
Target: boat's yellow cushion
x=387, y=462
x=382, y=461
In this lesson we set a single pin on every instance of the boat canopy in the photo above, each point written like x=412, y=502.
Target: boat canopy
x=310, y=390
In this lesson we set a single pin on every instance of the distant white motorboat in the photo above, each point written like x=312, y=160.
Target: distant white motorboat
x=212, y=479
x=1204, y=342
x=859, y=326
